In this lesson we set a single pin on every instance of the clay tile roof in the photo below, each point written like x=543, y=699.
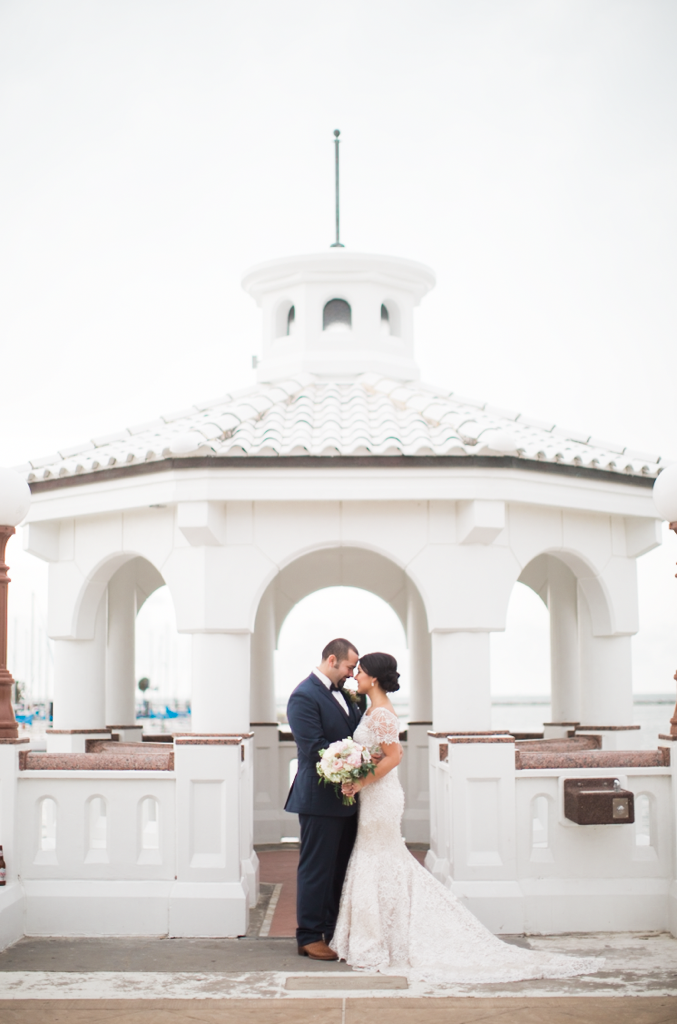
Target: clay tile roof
x=371, y=415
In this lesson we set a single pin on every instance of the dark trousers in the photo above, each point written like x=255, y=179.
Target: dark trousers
x=326, y=845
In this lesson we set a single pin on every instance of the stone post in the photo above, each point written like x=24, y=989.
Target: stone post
x=461, y=681
x=8, y=727
x=80, y=690
x=120, y=654
x=221, y=679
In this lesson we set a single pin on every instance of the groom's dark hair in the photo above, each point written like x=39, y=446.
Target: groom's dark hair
x=340, y=648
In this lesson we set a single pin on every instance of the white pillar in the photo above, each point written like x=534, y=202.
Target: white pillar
x=565, y=680
x=120, y=648
x=80, y=688
x=262, y=699
x=418, y=639
x=220, y=686
x=606, y=675
x=461, y=681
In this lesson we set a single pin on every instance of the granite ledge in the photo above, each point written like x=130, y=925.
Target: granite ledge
x=9, y=741
x=213, y=735
x=209, y=741
x=662, y=736
x=77, y=732
x=594, y=759
x=483, y=732
x=460, y=738
x=605, y=728
x=150, y=761
x=116, y=747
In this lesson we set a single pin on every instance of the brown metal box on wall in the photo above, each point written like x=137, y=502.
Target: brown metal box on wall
x=598, y=802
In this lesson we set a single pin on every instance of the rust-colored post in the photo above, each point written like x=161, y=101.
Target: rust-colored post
x=673, y=720
x=8, y=727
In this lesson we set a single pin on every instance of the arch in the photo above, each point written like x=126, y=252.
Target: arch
x=391, y=323
x=93, y=588
x=96, y=829
x=337, y=315
x=595, y=588
x=149, y=823
x=47, y=823
x=285, y=316
x=339, y=567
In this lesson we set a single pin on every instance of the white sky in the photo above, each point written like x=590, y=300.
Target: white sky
x=527, y=151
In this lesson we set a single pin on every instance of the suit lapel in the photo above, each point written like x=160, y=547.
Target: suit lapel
x=330, y=697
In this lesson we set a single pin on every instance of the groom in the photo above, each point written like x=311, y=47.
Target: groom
x=319, y=713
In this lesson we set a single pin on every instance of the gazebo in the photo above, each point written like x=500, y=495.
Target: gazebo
x=338, y=467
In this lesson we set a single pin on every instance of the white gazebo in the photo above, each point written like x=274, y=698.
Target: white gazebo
x=337, y=468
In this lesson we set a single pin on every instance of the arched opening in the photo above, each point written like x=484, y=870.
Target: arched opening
x=520, y=665
x=47, y=824
x=291, y=320
x=337, y=316
x=350, y=592
x=390, y=319
x=163, y=657
x=362, y=617
x=96, y=830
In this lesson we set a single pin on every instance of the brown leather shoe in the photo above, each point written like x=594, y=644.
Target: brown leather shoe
x=318, y=951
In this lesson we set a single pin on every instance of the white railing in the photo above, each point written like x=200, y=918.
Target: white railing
x=500, y=841
x=96, y=825
x=274, y=769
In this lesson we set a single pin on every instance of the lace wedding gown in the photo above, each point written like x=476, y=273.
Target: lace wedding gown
x=396, y=918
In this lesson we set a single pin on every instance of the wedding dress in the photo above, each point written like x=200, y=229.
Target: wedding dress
x=396, y=918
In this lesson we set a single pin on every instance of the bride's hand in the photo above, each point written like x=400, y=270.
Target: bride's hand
x=351, y=788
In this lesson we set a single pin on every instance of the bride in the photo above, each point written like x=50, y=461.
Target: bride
x=395, y=917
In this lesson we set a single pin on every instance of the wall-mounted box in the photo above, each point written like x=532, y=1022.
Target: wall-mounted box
x=598, y=802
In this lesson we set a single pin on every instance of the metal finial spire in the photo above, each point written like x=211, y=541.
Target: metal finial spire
x=337, y=244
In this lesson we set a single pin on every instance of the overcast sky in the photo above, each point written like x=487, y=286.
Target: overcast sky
x=527, y=151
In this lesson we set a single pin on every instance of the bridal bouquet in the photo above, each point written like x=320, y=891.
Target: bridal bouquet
x=345, y=761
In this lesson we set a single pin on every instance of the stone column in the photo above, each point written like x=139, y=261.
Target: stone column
x=262, y=698
x=220, y=686
x=120, y=649
x=269, y=816
x=565, y=680
x=461, y=681
x=606, y=677
x=80, y=689
x=418, y=638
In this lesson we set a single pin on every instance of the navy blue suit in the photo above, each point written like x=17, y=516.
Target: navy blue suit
x=328, y=827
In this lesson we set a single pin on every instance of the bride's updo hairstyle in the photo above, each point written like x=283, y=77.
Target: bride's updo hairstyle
x=382, y=667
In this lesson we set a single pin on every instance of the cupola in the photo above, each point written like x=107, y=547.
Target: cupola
x=338, y=314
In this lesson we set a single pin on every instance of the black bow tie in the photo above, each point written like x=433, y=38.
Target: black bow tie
x=335, y=688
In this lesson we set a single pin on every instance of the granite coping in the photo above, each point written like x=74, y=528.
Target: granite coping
x=564, y=746
x=214, y=735
x=460, y=738
x=76, y=732
x=605, y=728
x=561, y=723
x=594, y=759
x=662, y=736
x=207, y=741
x=148, y=761
x=134, y=725
x=10, y=740
x=94, y=746
x=483, y=732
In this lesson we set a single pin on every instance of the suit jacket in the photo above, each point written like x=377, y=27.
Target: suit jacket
x=317, y=719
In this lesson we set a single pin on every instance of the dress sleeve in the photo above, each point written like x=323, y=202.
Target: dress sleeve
x=385, y=725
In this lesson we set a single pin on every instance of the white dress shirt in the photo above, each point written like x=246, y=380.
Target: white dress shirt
x=327, y=682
